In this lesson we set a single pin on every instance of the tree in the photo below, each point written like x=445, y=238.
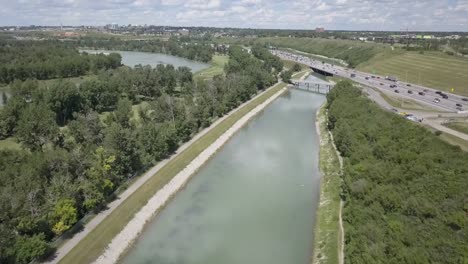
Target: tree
x=64, y=99
x=123, y=113
x=36, y=127
x=98, y=182
x=4, y=98
x=30, y=248
x=296, y=67
x=64, y=216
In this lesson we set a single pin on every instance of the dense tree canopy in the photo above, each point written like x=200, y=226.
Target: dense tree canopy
x=405, y=190
x=42, y=60
x=82, y=142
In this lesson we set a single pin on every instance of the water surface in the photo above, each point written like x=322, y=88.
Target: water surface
x=132, y=58
x=253, y=202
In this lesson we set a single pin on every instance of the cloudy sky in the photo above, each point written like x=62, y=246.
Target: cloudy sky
x=435, y=15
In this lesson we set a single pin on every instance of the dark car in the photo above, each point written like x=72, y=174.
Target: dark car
x=396, y=91
x=465, y=99
x=459, y=105
x=444, y=96
x=409, y=85
x=381, y=83
x=426, y=90
x=439, y=92
x=421, y=93
x=410, y=92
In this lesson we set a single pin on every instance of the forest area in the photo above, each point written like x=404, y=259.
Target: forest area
x=405, y=190
x=81, y=143
x=22, y=60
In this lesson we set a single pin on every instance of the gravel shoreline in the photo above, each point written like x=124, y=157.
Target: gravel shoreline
x=131, y=231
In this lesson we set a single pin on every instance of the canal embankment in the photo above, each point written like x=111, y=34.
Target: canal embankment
x=328, y=233
x=132, y=230
x=91, y=244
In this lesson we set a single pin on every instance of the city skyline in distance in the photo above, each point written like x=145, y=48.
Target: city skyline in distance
x=378, y=15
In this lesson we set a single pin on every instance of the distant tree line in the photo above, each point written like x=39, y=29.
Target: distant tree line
x=42, y=60
x=80, y=143
x=194, y=51
x=405, y=190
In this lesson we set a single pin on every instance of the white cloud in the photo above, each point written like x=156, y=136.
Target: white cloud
x=332, y=14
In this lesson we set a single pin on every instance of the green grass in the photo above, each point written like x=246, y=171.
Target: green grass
x=433, y=69
x=217, y=67
x=326, y=235
x=9, y=143
x=453, y=140
x=299, y=75
x=353, y=52
x=94, y=243
x=288, y=64
x=458, y=126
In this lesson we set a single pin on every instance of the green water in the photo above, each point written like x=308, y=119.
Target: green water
x=254, y=202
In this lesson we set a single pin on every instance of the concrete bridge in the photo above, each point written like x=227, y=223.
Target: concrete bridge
x=322, y=70
x=313, y=84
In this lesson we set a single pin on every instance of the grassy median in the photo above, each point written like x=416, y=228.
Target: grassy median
x=327, y=235
x=95, y=242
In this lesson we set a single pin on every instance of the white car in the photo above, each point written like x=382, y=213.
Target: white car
x=436, y=100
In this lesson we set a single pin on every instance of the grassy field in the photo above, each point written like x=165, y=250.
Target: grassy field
x=459, y=126
x=9, y=143
x=451, y=139
x=217, y=67
x=432, y=69
x=353, y=52
x=288, y=64
x=326, y=236
x=95, y=242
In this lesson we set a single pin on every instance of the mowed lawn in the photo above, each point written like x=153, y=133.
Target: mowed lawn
x=88, y=249
x=432, y=69
x=217, y=67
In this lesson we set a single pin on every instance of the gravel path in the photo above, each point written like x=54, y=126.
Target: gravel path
x=65, y=248
x=131, y=231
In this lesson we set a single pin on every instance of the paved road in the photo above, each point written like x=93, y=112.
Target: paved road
x=432, y=119
x=406, y=90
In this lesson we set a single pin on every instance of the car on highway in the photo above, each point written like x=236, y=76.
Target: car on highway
x=409, y=85
x=439, y=92
x=459, y=105
x=381, y=83
x=393, y=86
x=421, y=93
x=444, y=96
x=367, y=78
x=465, y=99
x=396, y=91
x=426, y=90
x=410, y=92
x=436, y=100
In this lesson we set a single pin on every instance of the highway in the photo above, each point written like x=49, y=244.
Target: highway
x=418, y=93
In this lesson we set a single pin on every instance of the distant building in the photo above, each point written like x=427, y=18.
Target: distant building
x=320, y=30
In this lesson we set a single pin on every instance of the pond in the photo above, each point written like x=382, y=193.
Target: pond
x=132, y=58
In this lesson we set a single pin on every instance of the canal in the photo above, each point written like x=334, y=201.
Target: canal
x=132, y=58
x=253, y=202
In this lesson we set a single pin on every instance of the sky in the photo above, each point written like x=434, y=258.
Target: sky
x=396, y=15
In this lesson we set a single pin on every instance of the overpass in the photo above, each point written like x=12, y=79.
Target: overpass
x=313, y=84
x=322, y=70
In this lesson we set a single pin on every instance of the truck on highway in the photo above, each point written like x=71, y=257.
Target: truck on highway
x=390, y=78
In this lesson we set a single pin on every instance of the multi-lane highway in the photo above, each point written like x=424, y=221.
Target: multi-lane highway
x=428, y=96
